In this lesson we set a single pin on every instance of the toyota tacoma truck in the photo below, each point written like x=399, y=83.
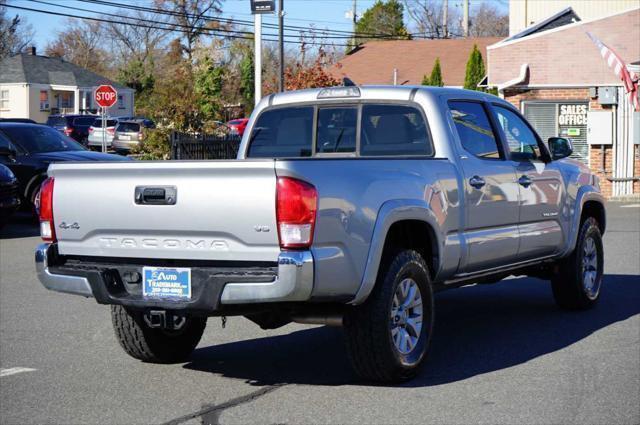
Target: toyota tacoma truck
x=346, y=206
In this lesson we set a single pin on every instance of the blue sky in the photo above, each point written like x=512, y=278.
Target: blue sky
x=322, y=13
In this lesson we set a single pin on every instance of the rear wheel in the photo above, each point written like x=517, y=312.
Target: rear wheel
x=155, y=345
x=578, y=283
x=388, y=336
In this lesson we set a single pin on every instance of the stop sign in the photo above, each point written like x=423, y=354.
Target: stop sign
x=106, y=96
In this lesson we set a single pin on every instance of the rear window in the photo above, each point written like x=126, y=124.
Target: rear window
x=83, y=121
x=282, y=132
x=128, y=127
x=98, y=123
x=393, y=130
x=337, y=129
x=57, y=121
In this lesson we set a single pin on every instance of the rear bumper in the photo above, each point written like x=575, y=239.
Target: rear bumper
x=212, y=287
x=124, y=145
x=97, y=140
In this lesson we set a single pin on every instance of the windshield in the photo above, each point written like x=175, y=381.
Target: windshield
x=38, y=139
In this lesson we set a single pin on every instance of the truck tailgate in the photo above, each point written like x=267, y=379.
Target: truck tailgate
x=224, y=210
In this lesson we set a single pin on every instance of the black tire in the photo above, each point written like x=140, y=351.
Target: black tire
x=155, y=345
x=368, y=327
x=571, y=289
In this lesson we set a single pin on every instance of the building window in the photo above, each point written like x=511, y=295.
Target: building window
x=120, y=101
x=4, y=99
x=44, y=100
x=564, y=119
x=66, y=100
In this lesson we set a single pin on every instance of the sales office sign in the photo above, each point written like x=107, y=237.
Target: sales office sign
x=572, y=118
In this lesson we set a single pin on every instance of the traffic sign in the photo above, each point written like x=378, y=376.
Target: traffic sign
x=106, y=96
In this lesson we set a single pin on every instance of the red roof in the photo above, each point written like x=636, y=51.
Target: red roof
x=375, y=61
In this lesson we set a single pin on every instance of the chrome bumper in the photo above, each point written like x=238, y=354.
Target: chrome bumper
x=294, y=281
x=60, y=283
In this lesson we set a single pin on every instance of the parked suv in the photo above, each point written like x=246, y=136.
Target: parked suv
x=129, y=134
x=96, y=131
x=347, y=206
x=74, y=126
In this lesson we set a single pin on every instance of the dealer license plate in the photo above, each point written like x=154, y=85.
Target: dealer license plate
x=161, y=282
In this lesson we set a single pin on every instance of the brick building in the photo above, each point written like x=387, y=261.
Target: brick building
x=558, y=79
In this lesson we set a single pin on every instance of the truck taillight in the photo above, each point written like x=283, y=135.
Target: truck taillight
x=296, y=206
x=47, y=231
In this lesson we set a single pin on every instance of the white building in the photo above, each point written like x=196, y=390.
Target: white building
x=34, y=86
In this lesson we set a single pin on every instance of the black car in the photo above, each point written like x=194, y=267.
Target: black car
x=28, y=149
x=74, y=126
x=25, y=120
x=9, y=200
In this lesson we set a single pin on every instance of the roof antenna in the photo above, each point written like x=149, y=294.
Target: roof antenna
x=347, y=82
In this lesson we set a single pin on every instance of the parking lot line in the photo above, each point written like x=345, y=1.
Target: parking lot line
x=15, y=370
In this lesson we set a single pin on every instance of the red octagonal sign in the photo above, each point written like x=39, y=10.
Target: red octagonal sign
x=106, y=96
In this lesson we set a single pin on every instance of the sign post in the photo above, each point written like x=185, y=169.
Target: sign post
x=258, y=8
x=105, y=96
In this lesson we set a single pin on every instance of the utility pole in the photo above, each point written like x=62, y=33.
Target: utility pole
x=354, y=16
x=281, y=43
x=465, y=18
x=445, y=18
x=257, y=61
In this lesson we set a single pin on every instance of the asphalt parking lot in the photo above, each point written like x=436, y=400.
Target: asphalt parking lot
x=501, y=354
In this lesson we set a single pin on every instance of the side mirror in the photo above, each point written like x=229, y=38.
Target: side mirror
x=7, y=151
x=560, y=147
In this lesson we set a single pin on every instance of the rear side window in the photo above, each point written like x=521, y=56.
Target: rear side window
x=474, y=129
x=337, y=129
x=128, y=127
x=282, y=132
x=393, y=130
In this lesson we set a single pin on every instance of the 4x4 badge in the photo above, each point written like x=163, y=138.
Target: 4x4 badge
x=64, y=225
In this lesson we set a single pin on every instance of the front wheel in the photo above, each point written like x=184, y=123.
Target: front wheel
x=155, y=345
x=578, y=283
x=388, y=336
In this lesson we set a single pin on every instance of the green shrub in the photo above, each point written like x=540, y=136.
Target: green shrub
x=155, y=146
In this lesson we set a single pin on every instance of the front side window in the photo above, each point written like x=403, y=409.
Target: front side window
x=337, y=129
x=4, y=99
x=44, y=100
x=474, y=129
x=523, y=144
x=393, y=130
x=282, y=133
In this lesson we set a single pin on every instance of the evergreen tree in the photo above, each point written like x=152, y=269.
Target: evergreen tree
x=384, y=17
x=435, y=79
x=475, y=70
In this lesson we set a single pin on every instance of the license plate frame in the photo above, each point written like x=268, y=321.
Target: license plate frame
x=166, y=282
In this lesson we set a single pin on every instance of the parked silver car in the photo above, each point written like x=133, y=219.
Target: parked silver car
x=96, y=131
x=130, y=133
x=347, y=206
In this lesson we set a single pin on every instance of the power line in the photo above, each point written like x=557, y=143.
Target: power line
x=206, y=31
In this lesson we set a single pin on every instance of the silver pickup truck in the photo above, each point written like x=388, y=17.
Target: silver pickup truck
x=346, y=206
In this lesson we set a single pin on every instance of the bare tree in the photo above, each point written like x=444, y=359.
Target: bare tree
x=427, y=17
x=81, y=43
x=489, y=22
x=190, y=17
x=140, y=43
x=15, y=34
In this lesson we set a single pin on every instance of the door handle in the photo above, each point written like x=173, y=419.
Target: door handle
x=477, y=182
x=525, y=181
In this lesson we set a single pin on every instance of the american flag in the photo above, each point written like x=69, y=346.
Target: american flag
x=629, y=79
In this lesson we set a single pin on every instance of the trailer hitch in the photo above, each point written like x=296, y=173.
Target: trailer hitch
x=164, y=319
